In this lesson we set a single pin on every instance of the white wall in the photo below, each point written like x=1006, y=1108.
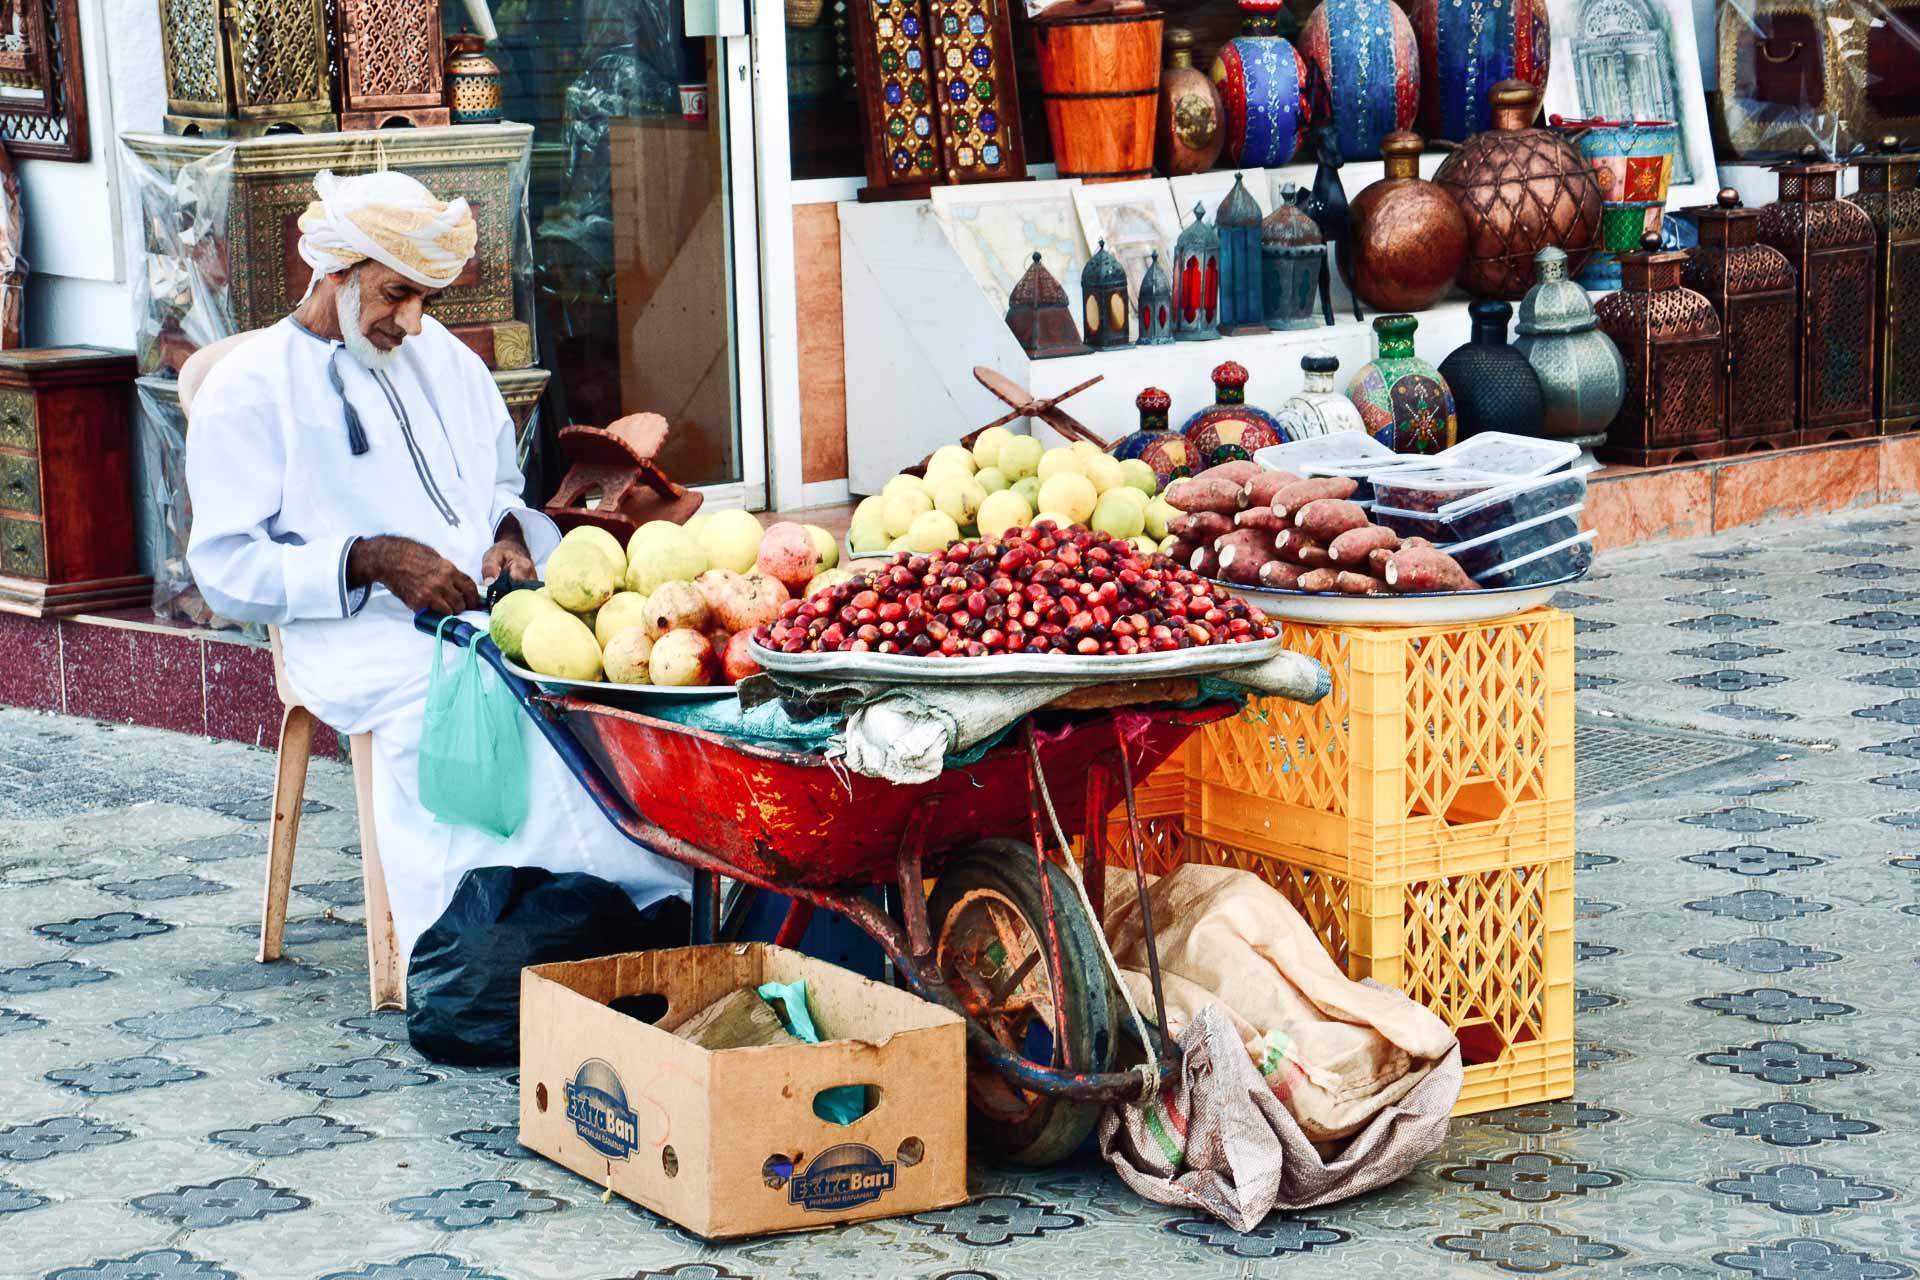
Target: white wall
x=81, y=218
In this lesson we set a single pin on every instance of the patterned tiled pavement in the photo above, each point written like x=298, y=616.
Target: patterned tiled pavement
x=1748, y=1094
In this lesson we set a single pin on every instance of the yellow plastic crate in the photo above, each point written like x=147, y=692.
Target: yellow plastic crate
x=1489, y=952
x=1439, y=751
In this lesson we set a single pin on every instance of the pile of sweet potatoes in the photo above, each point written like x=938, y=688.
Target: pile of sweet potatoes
x=1247, y=525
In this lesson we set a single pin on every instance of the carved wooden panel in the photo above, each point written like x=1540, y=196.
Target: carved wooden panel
x=392, y=54
x=44, y=112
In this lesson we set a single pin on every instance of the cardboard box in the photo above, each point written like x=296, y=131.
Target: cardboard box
x=726, y=1142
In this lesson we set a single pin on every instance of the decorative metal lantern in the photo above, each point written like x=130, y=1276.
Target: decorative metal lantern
x=1041, y=317
x=1155, y=307
x=242, y=68
x=476, y=92
x=1830, y=243
x=391, y=64
x=1103, y=301
x=1752, y=287
x=1196, y=275
x=1293, y=265
x=1890, y=195
x=1317, y=409
x=1238, y=222
x=1229, y=429
x=1582, y=379
x=1669, y=337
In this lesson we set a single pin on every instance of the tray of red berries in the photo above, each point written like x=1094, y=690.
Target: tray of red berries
x=1036, y=605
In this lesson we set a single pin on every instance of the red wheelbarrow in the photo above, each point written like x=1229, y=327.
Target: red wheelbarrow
x=997, y=941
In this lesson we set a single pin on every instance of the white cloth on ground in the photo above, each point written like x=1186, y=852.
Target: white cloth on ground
x=278, y=500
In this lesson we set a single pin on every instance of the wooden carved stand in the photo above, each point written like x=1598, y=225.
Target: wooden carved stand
x=613, y=481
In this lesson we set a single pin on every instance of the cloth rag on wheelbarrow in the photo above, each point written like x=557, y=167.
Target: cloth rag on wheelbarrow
x=908, y=733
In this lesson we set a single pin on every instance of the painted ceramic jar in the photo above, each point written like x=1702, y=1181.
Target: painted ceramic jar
x=1262, y=82
x=1408, y=235
x=1365, y=55
x=474, y=92
x=1521, y=189
x=1229, y=429
x=1582, y=377
x=1467, y=47
x=1494, y=388
x=1163, y=450
x=1293, y=259
x=1402, y=399
x=1317, y=409
x=1190, y=129
x=1633, y=163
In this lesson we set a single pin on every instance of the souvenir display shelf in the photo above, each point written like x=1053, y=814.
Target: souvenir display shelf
x=916, y=323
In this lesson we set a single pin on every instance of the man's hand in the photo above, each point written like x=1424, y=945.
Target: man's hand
x=508, y=556
x=420, y=576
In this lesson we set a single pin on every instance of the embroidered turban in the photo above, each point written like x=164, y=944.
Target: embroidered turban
x=389, y=218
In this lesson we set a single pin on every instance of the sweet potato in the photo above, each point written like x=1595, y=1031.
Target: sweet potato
x=1241, y=554
x=1358, y=584
x=1291, y=497
x=1182, y=551
x=1297, y=547
x=1260, y=518
x=1425, y=569
x=1325, y=519
x=1259, y=491
x=1196, y=495
x=1378, y=557
x=1238, y=472
x=1280, y=575
x=1355, y=545
x=1200, y=527
x=1318, y=580
x=1205, y=563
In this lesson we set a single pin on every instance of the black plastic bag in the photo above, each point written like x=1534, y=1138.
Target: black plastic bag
x=463, y=982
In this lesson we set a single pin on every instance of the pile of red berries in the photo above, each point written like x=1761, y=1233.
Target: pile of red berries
x=1038, y=590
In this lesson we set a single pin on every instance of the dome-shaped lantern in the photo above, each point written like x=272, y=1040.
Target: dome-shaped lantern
x=1196, y=281
x=1041, y=317
x=1293, y=266
x=1238, y=223
x=1103, y=301
x=1155, y=307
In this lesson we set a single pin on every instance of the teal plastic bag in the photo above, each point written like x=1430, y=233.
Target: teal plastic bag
x=843, y=1105
x=473, y=761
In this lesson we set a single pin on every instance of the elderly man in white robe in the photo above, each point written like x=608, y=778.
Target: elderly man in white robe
x=352, y=464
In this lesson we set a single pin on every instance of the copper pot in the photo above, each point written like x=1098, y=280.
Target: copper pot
x=1409, y=238
x=1521, y=190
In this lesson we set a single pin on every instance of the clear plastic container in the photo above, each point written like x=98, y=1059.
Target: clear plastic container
x=1335, y=446
x=1549, y=564
x=1363, y=471
x=1490, y=550
x=1486, y=512
x=1503, y=453
x=1425, y=490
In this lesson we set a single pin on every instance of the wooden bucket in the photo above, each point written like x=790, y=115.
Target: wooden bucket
x=1100, y=79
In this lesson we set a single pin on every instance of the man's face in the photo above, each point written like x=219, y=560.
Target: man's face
x=390, y=306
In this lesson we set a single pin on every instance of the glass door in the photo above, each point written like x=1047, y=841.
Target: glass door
x=642, y=210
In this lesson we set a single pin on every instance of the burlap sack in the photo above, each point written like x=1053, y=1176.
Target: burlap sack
x=1218, y=1140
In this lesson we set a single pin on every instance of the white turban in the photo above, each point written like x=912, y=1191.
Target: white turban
x=391, y=219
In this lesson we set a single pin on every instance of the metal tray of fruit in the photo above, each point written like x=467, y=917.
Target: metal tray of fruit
x=619, y=694
x=1019, y=668
x=1413, y=609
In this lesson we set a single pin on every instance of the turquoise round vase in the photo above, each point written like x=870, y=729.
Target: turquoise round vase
x=1404, y=402
x=1365, y=60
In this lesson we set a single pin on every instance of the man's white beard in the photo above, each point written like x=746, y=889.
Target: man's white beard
x=346, y=306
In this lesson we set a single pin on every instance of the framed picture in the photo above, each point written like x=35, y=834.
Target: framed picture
x=1210, y=188
x=1135, y=219
x=996, y=228
x=1635, y=60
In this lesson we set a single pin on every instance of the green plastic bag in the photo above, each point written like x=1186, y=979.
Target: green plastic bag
x=473, y=762
x=841, y=1105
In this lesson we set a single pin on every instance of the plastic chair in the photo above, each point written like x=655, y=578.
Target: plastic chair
x=386, y=981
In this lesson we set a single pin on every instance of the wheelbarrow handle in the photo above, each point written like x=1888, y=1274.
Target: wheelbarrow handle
x=619, y=810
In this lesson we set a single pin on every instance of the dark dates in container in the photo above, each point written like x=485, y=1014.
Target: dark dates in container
x=1038, y=590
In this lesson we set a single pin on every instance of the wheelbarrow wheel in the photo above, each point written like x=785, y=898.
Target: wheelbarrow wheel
x=990, y=946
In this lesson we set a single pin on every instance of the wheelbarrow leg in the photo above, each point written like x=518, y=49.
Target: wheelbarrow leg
x=1138, y=848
